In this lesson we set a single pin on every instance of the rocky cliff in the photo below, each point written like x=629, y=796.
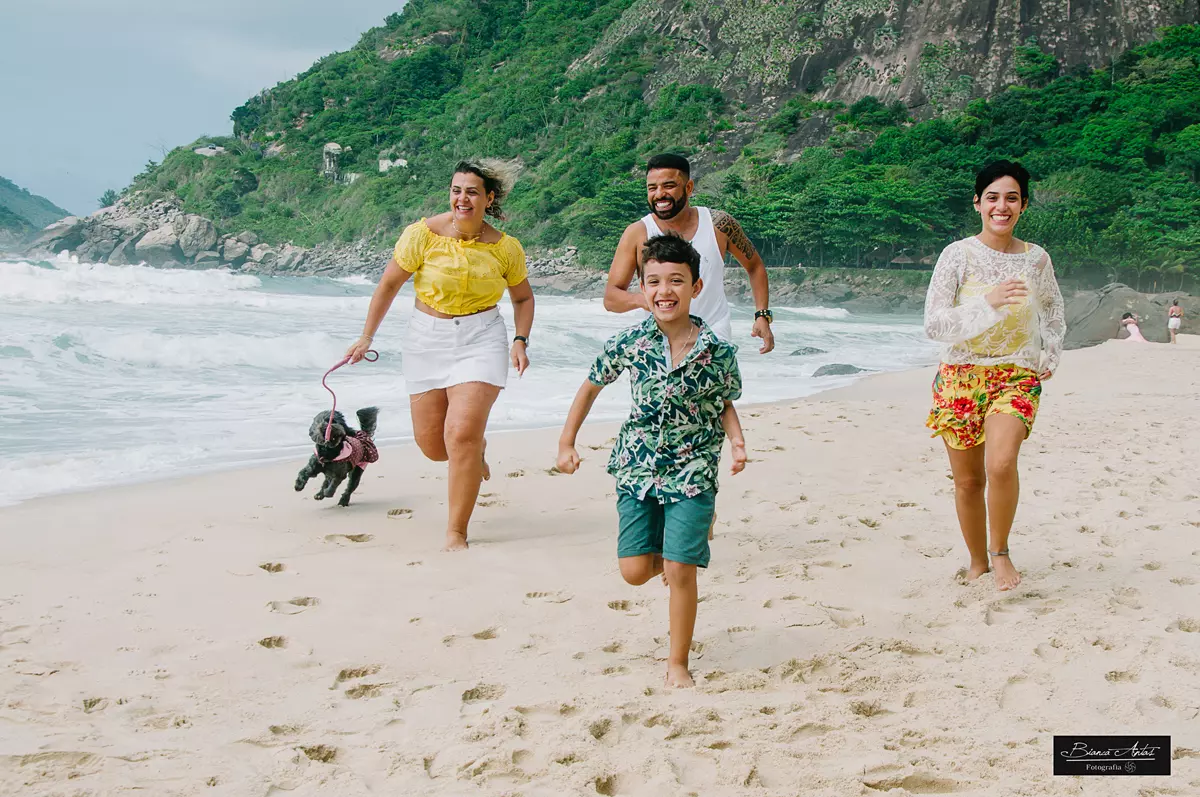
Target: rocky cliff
x=923, y=52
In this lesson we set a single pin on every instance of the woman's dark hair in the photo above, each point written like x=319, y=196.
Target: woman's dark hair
x=669, y=248
x=670, y=161
x=1127, y=315
x=994, y=171
x=498, y=177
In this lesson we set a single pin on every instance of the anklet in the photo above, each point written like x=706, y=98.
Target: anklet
x=998, y=553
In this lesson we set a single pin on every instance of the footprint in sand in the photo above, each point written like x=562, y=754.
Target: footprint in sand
x=483, y=692
x=321, y=753
x=1051, y=651
x=354, y=673
x=487, y=633
x=629, y=607
x=365, y=691
x=548, y=597
x=1021, y=695
x=841, y=616
x=349, y=537
x=1030, y=604
x=294, y=606
x=400, y=513
x=273, y=567
x=917, y=783
x=273, y=642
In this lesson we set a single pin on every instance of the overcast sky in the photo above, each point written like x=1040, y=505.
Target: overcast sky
x=92, y=89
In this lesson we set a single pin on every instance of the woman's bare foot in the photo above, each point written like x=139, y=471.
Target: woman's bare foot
x=455, y=541
x=977, y=569
x=487, y=470
x=678, y=677
x=1007, y=576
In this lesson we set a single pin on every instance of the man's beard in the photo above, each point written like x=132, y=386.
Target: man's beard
x=677, y=206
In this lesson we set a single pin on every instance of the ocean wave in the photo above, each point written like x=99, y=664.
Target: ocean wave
x=817, y=312
x=304, y=350
x=67, y=280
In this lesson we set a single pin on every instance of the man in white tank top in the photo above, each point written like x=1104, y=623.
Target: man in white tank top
x=713, y=233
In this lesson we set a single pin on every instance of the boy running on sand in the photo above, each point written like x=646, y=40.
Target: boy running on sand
x=684, y=381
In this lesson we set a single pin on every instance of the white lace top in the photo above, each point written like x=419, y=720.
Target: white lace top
x=1029, y=334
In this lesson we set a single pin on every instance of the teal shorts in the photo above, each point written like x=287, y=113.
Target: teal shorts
x=678, y=531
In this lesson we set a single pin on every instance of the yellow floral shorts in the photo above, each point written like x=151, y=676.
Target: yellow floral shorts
x=965, y=395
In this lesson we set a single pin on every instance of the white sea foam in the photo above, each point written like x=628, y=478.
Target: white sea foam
x=111, y=374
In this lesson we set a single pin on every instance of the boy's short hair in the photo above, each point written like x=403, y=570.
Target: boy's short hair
x=669, y=248
x=1002, y=168
x=669, y=160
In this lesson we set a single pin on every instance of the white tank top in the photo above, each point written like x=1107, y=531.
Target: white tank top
x=711, y=305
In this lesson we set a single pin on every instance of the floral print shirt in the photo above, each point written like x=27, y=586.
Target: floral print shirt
x=670, y=447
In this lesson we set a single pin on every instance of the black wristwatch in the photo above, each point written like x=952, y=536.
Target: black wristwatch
x=767, y=314
x=521, y=338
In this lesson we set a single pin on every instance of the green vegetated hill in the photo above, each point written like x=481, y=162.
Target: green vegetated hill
x=22, y=213
x=582, y=91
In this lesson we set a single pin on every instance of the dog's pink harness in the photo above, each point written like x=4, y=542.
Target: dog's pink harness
x=359, y=449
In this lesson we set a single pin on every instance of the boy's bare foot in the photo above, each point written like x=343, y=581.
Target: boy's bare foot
x=1007, y=576
x=487, y=470
x=455, y=541
x=678, y=677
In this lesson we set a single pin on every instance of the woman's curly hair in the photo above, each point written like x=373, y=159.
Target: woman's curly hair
x=499, y=177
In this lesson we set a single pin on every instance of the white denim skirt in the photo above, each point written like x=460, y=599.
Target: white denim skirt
x=442, y=352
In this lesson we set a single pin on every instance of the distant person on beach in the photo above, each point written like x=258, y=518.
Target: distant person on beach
x=1129, y=322
x=713, y=233
x=1174, y=319
x=994, y=300
x=684, y=380
x=456, y=350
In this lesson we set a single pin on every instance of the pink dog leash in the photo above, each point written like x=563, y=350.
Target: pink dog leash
x=367, y=356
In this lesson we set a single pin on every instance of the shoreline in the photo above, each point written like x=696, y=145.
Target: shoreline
x=395, y=446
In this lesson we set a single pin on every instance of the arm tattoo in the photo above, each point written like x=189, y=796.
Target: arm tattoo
x=733, y=231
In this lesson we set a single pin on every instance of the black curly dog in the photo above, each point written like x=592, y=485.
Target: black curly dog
x=325, y=459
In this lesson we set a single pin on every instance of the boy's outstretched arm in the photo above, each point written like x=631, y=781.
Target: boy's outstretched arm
x=733, y=430
x=568, y=457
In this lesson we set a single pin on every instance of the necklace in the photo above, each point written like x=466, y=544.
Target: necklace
x=466, y=236
x=675, y=359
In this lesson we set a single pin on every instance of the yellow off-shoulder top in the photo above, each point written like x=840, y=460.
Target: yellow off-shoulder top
x=459, y=277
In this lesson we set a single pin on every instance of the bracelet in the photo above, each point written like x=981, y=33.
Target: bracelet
x=521, y=338
x=767, y=314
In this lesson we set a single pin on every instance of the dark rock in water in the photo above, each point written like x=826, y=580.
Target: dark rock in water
x=805, y=351
x=838, y=369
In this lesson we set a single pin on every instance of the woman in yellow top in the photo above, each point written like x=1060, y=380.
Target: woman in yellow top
x=456, y=350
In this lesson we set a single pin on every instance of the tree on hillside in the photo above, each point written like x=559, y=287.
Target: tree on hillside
x=1033, y=66
x=109, y=198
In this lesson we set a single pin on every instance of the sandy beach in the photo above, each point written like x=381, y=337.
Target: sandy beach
x=223, y=635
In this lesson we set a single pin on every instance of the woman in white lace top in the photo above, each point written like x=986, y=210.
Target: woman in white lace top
x=994, y=301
